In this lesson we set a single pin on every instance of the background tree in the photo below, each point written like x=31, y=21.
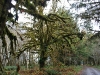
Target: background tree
x=91, y=12
x=89, y=16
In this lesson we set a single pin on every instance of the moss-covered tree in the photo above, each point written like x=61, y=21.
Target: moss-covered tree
x=45, y=35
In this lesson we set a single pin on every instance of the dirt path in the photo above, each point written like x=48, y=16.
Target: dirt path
x=90, y=71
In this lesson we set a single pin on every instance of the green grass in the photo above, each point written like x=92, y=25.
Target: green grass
x=8, y=68
x=98, y=67
x=78, y=68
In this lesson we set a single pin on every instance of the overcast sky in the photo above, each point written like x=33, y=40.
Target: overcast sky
x=62, y=3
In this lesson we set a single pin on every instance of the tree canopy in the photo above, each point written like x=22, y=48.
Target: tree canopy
x=91, y=7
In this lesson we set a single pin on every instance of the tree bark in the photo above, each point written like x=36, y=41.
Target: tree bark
x=3, y=16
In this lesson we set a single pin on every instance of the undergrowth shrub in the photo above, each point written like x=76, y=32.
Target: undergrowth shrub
x=53, y=72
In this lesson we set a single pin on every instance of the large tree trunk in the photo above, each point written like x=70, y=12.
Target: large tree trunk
x=3, y=19
x=43, y=58
x=3, y=15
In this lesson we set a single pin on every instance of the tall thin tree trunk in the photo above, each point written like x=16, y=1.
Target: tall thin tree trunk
x=1, y=68
x=2, y=72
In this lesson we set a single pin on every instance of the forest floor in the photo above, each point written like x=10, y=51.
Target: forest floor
x=67, y=70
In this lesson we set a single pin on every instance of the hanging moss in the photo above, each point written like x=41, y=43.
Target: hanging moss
x=13, y=40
